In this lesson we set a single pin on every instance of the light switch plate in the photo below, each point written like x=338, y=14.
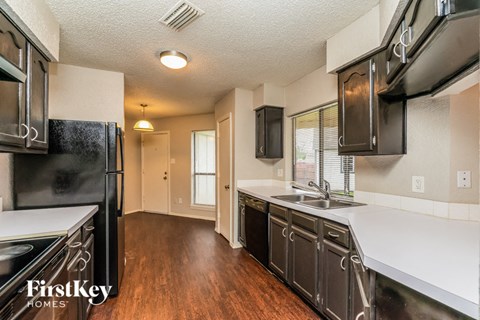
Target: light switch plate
x=464, y=179
x=418, y=184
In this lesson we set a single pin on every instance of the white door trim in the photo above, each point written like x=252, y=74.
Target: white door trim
x=217, y=222
x=169, y=169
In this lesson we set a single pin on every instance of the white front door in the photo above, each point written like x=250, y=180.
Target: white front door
x=224, y=187
x=155, y=172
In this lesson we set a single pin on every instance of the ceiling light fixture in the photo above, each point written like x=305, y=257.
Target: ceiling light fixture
x=173, y=59
x=143, y=125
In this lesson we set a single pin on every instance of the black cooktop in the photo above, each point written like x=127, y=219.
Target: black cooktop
x=18, y=257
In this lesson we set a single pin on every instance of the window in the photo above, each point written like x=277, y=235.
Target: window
x=316, y=151
x=203, y=168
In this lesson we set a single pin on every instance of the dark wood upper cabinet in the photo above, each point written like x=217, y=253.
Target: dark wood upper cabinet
x=24, y=93
x=367, y=123
x=269, y=133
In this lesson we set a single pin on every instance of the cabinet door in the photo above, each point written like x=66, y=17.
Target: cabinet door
x=304, y=263
x=87, y=273
x=260, y=132
x=335, y=281
x=278, y=254
x=356, y=109
x=37, y=100
x=75, y=274
x=12, y=92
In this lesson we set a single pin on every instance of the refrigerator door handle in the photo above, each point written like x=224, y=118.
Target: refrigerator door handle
x=122, y=196
x=120, y=141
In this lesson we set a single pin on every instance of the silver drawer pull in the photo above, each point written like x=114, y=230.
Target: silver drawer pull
x=355, y=259
x=340, y=141
x=291, y=236
x=284, y=232
x=401, y=38
x=333, y=235
x=89, y=228
x=75, y=245
x=361, y=314
x=85, y=263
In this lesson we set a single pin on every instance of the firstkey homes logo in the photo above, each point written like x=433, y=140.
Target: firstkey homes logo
x=75, y=288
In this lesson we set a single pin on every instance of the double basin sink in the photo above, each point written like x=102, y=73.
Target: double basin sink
x=312, y=200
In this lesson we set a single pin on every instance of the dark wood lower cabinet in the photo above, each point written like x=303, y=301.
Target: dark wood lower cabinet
x=335, y=280
x=304, y=257
x=278, y=253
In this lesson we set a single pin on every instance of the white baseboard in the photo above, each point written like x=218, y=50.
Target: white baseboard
x=186, y=215
x=236, y=245
x=133, y=211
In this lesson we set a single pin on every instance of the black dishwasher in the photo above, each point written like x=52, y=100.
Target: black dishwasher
x=256, y=228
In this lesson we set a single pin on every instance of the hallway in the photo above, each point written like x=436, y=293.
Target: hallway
x=179, y=268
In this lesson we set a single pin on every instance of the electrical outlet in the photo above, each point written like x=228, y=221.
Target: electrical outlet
x=418, y=184
x=464, y=179
x=180, y=201
x=279, y=172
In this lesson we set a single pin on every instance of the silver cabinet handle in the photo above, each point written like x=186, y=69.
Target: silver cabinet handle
x=355, y=259
x=261, y=149
x=84, y=264
x=75, y=245
x=341, y=263
x=284, y=232
x=374, y=140
x=401, y=38
x=361, y=314
x=243, y=211
x=89, y=228
x=395, y=50
x=333, y=235
x=89, y=257
x=36, y=133
x=26, y=128
x=340, y=141
x=291, y=236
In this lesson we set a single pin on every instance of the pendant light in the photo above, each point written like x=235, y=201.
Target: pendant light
x=173, y=59
x=143, y=125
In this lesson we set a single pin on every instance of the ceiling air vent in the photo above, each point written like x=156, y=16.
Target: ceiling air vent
x=181, y=15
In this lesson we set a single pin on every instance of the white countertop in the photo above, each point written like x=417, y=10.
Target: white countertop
x=435, y=256
x=43, y=222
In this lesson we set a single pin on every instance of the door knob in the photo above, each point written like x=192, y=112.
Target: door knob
x=227, y=187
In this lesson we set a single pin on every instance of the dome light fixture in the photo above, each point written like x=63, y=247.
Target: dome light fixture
x=143, y=125
x=173, y=59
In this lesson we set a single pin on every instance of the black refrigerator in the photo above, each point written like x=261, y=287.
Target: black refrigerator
x=84, y=166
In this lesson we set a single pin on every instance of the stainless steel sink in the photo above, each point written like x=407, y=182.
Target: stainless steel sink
x=317, y=202
x=329, y=204
x=297, y=197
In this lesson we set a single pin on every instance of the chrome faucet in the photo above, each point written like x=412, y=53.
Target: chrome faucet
x=326, y=192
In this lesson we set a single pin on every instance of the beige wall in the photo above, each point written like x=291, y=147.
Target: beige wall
x=463, y=144
x=440, y=142
x=180, y=129
x=133, y=163
x=354, y=40
x=6, y=180
x=77, y=93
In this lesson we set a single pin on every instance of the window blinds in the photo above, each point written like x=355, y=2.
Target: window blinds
x=316, y=151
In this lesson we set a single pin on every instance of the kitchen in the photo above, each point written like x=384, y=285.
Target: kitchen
x=415, y=173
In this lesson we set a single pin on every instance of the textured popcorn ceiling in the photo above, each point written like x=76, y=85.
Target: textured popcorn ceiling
x=237, y=43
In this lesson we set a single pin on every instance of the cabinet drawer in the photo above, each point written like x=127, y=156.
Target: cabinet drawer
x=278, y=211
x=336, y=233
x=305, y=221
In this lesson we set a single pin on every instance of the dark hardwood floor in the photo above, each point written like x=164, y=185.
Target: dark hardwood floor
x=180, y=268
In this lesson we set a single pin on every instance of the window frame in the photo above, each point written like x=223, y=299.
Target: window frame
x=194, y=174
x=347, y=192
